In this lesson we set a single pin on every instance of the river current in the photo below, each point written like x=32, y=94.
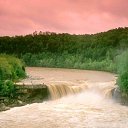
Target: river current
x=90, y=108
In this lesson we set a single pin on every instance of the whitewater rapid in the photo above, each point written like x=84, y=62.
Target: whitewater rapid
x=92, y=108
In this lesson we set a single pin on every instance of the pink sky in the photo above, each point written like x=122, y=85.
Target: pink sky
x=71, y=16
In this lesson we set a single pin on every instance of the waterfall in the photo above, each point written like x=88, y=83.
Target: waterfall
x=59, y=90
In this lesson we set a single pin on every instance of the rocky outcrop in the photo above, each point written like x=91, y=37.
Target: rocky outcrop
x=119, y=97
x=26, y=94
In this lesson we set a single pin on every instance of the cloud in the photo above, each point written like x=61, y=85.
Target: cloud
x=72, y=16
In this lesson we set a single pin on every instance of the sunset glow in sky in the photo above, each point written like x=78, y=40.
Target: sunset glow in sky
x=71, y=16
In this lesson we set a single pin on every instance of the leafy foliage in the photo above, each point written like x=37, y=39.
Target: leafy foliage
x=7, y=88
x=67, y=60
x=122, y=69
x=11, y=69
x=92, y=46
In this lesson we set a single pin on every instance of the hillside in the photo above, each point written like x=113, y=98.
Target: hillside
x=65, y=50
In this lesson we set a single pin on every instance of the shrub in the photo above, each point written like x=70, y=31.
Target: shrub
x=7, y=89
x=122, y=69
x=11, y=69
x=5, y=69
x=123, y=82
x=67, y=60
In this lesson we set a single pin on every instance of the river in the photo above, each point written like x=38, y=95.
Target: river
x=92, y=107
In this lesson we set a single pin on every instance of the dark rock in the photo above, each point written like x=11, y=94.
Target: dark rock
x=118, y=97
x=19, y=102
x=3, y=107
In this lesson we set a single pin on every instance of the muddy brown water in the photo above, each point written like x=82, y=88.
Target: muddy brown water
x=92, y=107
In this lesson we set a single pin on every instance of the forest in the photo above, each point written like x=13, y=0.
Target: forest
x=106, y=51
